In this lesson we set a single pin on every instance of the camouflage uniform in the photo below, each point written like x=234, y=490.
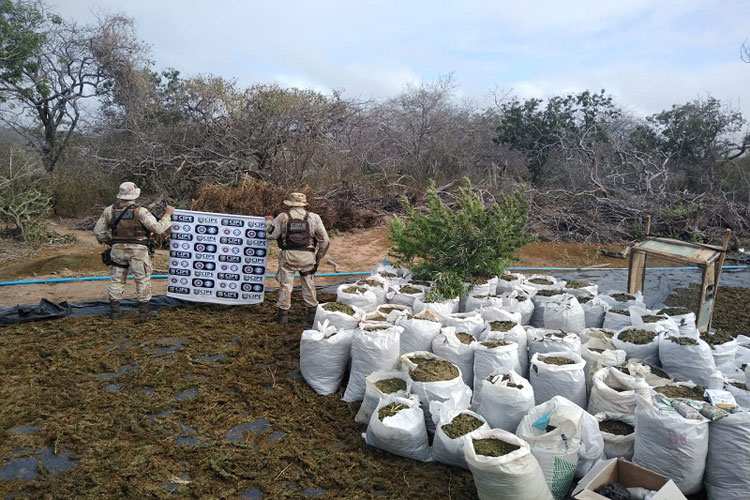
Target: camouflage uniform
x=132, y=254
x=302, y=261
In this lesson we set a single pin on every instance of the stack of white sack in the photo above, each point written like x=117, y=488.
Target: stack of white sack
x=621, y=444
x=340, y=316
x=544, y=341
x=506, y=398
x=378, y=385
x=491, y=355
x=509, y=331
x=670, y=444
x=437, y=380
x=564, y=314
x=458, y=348
x=514, y=476
x=613, y=391
x=558, y=374
x=397, y=426
x=565, y=440
x=520, y=302
x=324, y=356
x=638, y=344
x=375, y=346
x=648, y=320
x=452, y=428
x=360, y=296
x=594, y=311
x=687, y=359
x=418, y=332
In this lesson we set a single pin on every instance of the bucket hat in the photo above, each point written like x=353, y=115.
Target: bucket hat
x=128, y=191
x=296, y=200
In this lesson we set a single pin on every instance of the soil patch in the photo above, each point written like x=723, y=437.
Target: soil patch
x=433, y=370
x=493, y=447
x=338, y=307
x=391, y=385
x=636, y=336
x=461, y=425
x=501, y=326
x=557, y=360
x=390, y=410
x=616, y=427
x=681, y=391
x=465, y=338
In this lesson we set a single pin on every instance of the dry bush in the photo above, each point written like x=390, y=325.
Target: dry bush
x=255, y=197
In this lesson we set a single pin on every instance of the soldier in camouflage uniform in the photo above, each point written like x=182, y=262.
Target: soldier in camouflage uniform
x=126, y=227
x=303, y=241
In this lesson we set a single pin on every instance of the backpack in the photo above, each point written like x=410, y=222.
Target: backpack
x=297, y=235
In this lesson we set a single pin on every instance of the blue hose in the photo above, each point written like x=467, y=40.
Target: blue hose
x=360, y=273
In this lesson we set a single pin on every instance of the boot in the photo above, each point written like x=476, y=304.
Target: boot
x=114, y=310
x=144, y=312
x=311, y=316
x=282, y=316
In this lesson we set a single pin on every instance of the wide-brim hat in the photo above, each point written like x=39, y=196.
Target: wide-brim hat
x=128, y=191
x=296, y=200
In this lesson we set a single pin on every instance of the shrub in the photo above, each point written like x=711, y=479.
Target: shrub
x=463, y=242
x=24, y=204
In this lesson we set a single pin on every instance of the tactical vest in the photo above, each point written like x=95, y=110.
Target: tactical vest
x=296, y=234
x=126, y=226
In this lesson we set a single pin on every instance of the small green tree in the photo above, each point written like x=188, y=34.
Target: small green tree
x=463, y=242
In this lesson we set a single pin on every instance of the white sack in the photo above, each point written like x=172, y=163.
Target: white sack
x=612, y=392
x=365, y=300
x=724, y=353
x=377, y=285
x=741, y=396
x=402, y=434
x=373, y=395
x=324, y=355
x=406, y=299
x=647, y=320
x=671, y=445
x=596, y=360
x=515, y=476
x=441, y=307
x=453, y=390
x=614, y=320
x=488, y=359
x=392, y=313
x=449, y=450
x=469, y=322
x=686, y=322
x=634, y=300
x=339, y=320
x=557, y=450
x=448, y=346
x=515, y=334
x=509, y=282
x=687, y=362
x=590, y=290
x=554, y=284
x=544, y=341
x=497, y=312
x=417, y=334
x=727, y=465
x=648, y=353
x=489, y=287
x=594, y=311
x=518, y=302
x=549, y=380
x=540, y=304
x=506, y=398
x=617, y=446
x=597, y=333
x=479, y=302
x=565, y=314
x=371, y=351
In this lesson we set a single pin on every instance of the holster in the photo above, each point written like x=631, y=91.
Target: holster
x=311, y=271
x=107, y=259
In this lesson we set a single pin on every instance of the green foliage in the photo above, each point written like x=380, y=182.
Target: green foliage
x=452, y=244
x=536, y=129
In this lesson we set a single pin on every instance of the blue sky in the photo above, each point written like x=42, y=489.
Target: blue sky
x=649, y=53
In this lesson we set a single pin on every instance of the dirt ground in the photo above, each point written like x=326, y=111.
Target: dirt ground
x=358, y=250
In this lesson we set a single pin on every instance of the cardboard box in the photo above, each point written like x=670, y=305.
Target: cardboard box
x=627, y=474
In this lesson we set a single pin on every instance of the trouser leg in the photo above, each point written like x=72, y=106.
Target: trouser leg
x=285, y=277
x=116, y=287
x=141, y=269
x=308, y=291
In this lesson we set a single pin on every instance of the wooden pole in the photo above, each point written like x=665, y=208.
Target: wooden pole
x=719, y=266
